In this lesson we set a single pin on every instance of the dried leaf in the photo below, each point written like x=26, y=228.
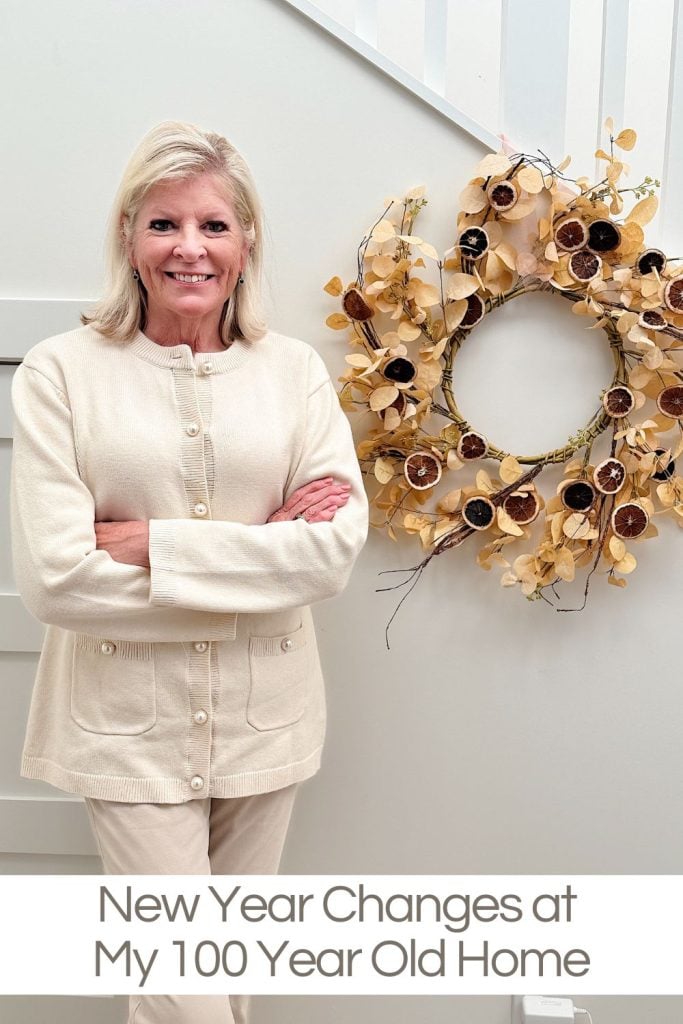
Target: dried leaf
x=627, y=564
x=643, y=212
x=617, y=548
x=359, y=361
x=461, y=285
x=564, y=564
x=337, y=321
x=382, y=397
x=493, y=165
x=530, y=179
x=510, y=469
x=450, y=501
x=334, y=286
x=383, y=231
x=616, y=581
x=472, y=199
x=384, y=470
x=626, y=139
x=506, y=524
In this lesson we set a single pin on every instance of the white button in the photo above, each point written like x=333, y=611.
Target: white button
x=207, y=367
x=200, y=716
x=192, y=429
x=287, y=644
x=197, y=782
x=107, y=647
x=200, y=509
x=201, y=646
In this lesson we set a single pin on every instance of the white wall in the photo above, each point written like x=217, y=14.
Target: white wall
x=495, y=735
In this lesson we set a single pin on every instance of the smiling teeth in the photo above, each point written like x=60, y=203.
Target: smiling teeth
x=191, y=278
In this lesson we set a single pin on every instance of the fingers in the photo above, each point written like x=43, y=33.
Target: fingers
x=313, y=491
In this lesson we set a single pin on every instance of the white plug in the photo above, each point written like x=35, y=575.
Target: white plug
x=547, y=1010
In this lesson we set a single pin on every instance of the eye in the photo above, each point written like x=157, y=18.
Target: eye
x=160, y=225
x=216, y=227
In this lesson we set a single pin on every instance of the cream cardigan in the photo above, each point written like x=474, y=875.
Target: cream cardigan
x=199, y=677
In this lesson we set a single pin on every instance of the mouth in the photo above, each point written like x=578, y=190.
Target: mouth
x=189, y=278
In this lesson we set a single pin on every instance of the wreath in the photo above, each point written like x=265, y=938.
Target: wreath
x=405, y=332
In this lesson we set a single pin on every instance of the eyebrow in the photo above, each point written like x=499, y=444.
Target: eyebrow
x=161, y=214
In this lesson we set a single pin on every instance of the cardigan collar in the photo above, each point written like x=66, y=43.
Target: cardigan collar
x=182, y=357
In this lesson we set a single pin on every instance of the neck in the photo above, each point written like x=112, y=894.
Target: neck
x=200, y=335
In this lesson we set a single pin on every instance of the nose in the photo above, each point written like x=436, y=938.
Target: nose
x=190, y=246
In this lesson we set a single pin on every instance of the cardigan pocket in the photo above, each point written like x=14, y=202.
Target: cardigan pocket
x=280, y=676
x=113, y=686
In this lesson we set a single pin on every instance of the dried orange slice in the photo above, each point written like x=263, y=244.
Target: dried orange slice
x=473, y=243
x=502, y=195
x=475, y=312
x=355, y=305
x=584, y=265
x=629, y=520
x=652, y=320
x=400, y=370
x=472, y=446
x=479, y=513
x=603, y=236
x=609, y=476
x=578, y=495
x=651, y=259
x=522, y=507
x=619, y=401
x=422, y=470
x=665, y=472
x=673, y=294
x=670, y=401
x=571, y=235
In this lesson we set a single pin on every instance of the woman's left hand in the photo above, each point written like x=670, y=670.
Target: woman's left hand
x=125, y=541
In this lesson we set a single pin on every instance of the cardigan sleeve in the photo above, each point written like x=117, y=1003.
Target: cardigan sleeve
x=61, y=576
x=228, y=566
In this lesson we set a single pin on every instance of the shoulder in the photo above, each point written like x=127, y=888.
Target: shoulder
x=56, y=355
x=294, y=357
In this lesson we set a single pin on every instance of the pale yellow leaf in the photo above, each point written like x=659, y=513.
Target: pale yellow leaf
x=627, y=564
x=617, y=548
x=616, y=581
x=626, y=139
x=643, y=212
x=506, y=524
x=408, y=331
x=337, y=321
x=383, y=266
x=472, y=199
x=384, y=470
x=358, y=361
x=510, y=469
x=461, y=285
x=493, y=165
x=531, y=179
x=334, y=286
x=564, y=564
x=382, y=397
x=450, y=501
x=383, y=231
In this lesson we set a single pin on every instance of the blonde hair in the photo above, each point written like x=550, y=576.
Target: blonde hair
x=176, y=150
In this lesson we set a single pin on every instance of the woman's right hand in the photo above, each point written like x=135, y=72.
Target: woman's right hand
x=317, y=502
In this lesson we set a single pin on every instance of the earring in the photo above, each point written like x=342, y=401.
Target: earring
x=240, y=279
x=136, y=276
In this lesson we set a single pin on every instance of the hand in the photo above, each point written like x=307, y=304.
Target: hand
x=317, y=502
x=125, y=541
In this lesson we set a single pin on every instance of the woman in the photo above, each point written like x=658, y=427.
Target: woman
x=184, y=486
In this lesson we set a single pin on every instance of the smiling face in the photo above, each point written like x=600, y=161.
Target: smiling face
x=189, y=249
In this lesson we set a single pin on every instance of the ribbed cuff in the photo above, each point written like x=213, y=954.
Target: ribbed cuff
x=162, y=562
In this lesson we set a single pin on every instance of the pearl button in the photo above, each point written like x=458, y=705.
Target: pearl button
x=200, y=509
x=287, y=644
x=197, y=782
x=192, y=429
x=107, y=647
x=200, y=716
x=207, y=367
x=201, y=646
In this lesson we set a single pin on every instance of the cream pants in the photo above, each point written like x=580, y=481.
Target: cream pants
x=244, y=835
